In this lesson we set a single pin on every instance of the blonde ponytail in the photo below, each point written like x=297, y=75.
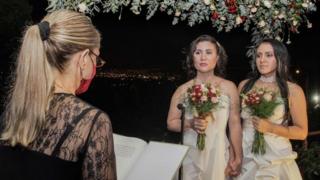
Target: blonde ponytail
x=33, y=85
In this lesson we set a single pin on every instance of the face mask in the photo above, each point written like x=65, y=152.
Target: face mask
x=85, y=83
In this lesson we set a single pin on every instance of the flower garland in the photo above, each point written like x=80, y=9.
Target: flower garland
x=264, y=18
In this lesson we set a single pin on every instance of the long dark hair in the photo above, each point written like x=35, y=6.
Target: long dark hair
x=282, y=72
x=220, y=68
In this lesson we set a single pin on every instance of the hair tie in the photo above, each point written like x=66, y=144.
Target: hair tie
x=44, y=28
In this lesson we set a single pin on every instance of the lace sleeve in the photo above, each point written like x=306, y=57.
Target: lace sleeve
x=99, y=161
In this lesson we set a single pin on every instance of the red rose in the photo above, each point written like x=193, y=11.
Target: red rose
x=214, y=15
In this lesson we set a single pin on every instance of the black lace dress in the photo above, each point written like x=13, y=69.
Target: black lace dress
x=76, y=143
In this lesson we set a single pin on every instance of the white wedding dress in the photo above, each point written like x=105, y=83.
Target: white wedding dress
x=210, y=163
x=278, y=163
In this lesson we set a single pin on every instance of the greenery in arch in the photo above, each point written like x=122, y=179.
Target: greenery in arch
x=263, y=18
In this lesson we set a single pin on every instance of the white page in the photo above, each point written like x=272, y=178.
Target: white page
x=127, y=150
x=159, y=161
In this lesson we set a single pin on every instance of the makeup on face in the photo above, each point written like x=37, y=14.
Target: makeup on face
x=205, y=56
x=265, y=59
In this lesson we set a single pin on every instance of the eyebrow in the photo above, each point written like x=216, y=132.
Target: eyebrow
x=204, y=50
x=265, y=52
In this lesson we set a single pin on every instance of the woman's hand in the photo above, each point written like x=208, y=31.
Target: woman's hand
x=200, y=125
x=261, y=125
x=235, y=166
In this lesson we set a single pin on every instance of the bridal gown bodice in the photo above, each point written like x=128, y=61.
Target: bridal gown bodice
x=278, y=161
x=210, y=163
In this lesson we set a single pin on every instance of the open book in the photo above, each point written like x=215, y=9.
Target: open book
x=139, y=160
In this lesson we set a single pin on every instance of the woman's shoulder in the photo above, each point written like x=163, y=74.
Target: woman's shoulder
x=294, y=89
x=227, y=85
x=242, y=83
x=77, y=106
x=102, y=120
x=183, y=87
x=98, y=117
x=95, y=112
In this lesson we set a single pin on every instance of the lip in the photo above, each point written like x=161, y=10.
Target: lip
x=203, y=64
x=263, y=66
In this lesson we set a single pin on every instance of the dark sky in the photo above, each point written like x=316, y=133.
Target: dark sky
x=134, y=42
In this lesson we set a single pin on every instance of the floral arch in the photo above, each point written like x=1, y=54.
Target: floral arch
x=263, y=18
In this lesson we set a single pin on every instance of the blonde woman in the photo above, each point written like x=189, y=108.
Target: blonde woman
x=47, y=132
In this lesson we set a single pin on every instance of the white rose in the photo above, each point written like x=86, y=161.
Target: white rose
x=278, y=38
x=238, y=20
x=267, y=3
x=206, y=2
x=267, y=96
x=82, y=7
x=178, y=13
x=257, y=3
x=262, y=23
x=305, y=5
x=281, y=16
x=295, y=22
x=204, y=98
x=254, y=9
x=143, y=2
x=309, y=25
x=267, y=31
x=276, y=12
x=223, y=18
x=212, y=7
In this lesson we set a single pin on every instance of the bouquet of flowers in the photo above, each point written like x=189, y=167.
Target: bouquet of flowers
x=201, y=99
x=261, y=103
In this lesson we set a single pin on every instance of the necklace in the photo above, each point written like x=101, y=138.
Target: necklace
x=270, y=79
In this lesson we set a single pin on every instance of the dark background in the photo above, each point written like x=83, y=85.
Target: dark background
x=152, y=50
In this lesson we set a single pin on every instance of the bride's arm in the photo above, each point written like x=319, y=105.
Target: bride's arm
x=298, y=111
x=235, y=131
x=174, y=115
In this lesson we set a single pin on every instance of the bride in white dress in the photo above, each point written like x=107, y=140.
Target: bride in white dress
x=270, y=68
x=206, y=61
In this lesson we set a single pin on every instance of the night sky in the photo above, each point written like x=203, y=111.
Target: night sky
x=139, y=108
x=134, y=42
